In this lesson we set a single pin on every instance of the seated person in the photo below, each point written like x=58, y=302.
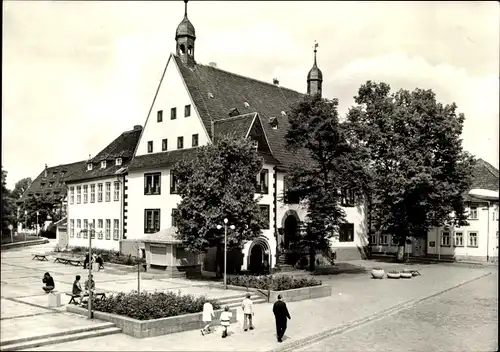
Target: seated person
x=91, y=285
x=77, y=288
x=49, y=284
x=100, y=261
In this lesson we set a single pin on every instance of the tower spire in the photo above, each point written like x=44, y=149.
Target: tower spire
x=185, y=36
x=315, y=51
x=185, y=8
x=315, y=76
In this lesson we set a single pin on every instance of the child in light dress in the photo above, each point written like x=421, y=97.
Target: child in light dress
x=208, y=314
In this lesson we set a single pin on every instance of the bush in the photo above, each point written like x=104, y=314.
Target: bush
x=273, y=283
x=125, y=260
x=152, y=305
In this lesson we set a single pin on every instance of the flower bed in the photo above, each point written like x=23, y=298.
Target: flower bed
x=272, y=283
x=152, y=305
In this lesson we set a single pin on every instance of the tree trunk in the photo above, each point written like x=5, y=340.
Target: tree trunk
x=218, y=261
x=400, y=256
x=312, y=258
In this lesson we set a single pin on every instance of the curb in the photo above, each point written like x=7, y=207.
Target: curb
x=306, y=341
x=24, y=244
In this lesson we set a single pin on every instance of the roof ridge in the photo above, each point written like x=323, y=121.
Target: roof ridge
x=234, y=117
x=491, y=169
x=251, y=78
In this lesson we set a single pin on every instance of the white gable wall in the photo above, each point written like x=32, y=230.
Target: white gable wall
x=172, y=93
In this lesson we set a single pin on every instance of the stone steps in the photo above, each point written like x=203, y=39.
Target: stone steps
x=59, y=337
x=235, y=301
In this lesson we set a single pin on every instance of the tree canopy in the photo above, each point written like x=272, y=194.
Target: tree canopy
x=8, y=205
x=219, y=183
x=334, y=168
x=45, y=206
x=20, y=187
x=417, y=166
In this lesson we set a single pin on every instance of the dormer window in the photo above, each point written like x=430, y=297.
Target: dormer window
x=89, y=166
x=283, y=113
x=255, y=144
x=103, y=164
x=246, y=104
x=118, y=161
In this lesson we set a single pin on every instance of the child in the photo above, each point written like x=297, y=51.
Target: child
x=225, y=320
x=208, y=314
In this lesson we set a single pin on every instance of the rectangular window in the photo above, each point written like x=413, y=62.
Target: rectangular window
x=187, y=110
x=92, y=228
x=78, y=228
x=346, y=232
x=152, y=183
x=78, y=194
x=472, y=239
x=71, y=195
x=175, y=214
x=164, y=144
x=173, y=113
x=151, y=220
x=373, y=239
x=107, y=230
x=195, y=140
x=108, y=191
x=116, y=193
x=99, y=229
x=99, y=192
x=92, y=193
x=347, y=198
x=445, y=239
x=180, y=142
x=459, y=239
x=384, y=240
x=85, y=228
x=85, y=194
x=173, y=183
x=159, y=115
x=286, y=187
x=116, y=229
x=473, y=213
x=72, y=228
x=263, y=182
x=394, y=240
x=264, y=209
x=150, y=146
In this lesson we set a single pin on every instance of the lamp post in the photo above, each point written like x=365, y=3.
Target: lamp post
x=225, y=249
x=90, y=273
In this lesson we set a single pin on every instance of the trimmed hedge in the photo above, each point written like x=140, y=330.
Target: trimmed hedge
x=273, y=283
x=152, y=305
x=112, y=256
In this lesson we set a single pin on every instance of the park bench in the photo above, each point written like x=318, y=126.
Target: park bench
x=97, y=296
x=39, y=256
x=63, y=260
x=69, y=260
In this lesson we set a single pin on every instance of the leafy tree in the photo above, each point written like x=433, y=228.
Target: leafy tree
x=220, y=182
x=419, y=170
x=8, y=205
x=335, y=165
x=45, y=206
x=20, y=187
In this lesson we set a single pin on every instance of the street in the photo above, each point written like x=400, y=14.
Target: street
x=463, y=319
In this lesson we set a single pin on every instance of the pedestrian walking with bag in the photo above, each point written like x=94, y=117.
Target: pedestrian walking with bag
x=208, y=314
x=281, y=315
x=225, y=320
x=247, y=306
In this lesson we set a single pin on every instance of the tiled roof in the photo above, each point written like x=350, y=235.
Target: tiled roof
x=160, y=160
x=53, y=183
x=485, y=176
x=163, y=236
x=216, y=92
x=237, y=125
x=122, y=147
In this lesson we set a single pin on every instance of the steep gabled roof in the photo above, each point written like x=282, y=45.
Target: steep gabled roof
x=161, y=160
x=122, y=147
x=216, y=92
x=51, y=181
x=485, y=176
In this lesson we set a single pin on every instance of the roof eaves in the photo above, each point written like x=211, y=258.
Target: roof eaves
x=251, y=125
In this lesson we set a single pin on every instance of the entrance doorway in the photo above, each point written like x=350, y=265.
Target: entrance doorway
x=291, y=226
x=259, y=260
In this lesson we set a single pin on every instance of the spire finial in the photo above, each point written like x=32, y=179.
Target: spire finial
x=186, y=8
x=315, y=50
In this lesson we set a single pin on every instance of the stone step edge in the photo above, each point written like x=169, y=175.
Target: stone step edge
x=96, y=327
x=240, y=299
x=60, y=339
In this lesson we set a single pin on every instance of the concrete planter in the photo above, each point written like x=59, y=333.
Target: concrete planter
x=406, y=275
x=154, y=327
x=393, y=275
x=378, y=273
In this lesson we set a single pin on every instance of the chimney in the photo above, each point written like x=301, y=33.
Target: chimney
x=45, y=169
x=276, y=82
x=213, y=64
x=137, y=127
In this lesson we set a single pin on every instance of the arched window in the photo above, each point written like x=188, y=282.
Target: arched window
x=183, y=49
x=190, y=50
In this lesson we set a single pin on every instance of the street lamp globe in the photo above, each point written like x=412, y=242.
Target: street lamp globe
x=225, y=221
x=232, y=227
x=219, y=227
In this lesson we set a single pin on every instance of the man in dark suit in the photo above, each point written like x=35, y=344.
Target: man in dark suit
x=281, y=315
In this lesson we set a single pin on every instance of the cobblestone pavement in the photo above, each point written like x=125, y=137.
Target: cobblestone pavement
x=463, y=319
x=353, y=297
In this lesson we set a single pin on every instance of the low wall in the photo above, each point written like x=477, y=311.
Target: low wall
x=25, y=244
x=155, y=327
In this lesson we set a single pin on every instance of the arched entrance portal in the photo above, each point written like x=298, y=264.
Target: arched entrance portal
x=291, y=228
x=259, y=256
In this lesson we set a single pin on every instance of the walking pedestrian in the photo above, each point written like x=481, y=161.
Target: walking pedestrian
x=208, y=314
x=247, y=306
x=225, y=320
x=281, y=315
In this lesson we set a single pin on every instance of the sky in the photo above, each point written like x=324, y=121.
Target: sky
x=78, y=74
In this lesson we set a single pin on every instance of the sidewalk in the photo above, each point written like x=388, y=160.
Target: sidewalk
x=353, y=298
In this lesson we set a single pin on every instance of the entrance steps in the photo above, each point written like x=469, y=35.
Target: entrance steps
x=235, y=301
x=59, y=337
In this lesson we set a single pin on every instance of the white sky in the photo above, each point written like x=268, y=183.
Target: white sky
x=78, y=74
